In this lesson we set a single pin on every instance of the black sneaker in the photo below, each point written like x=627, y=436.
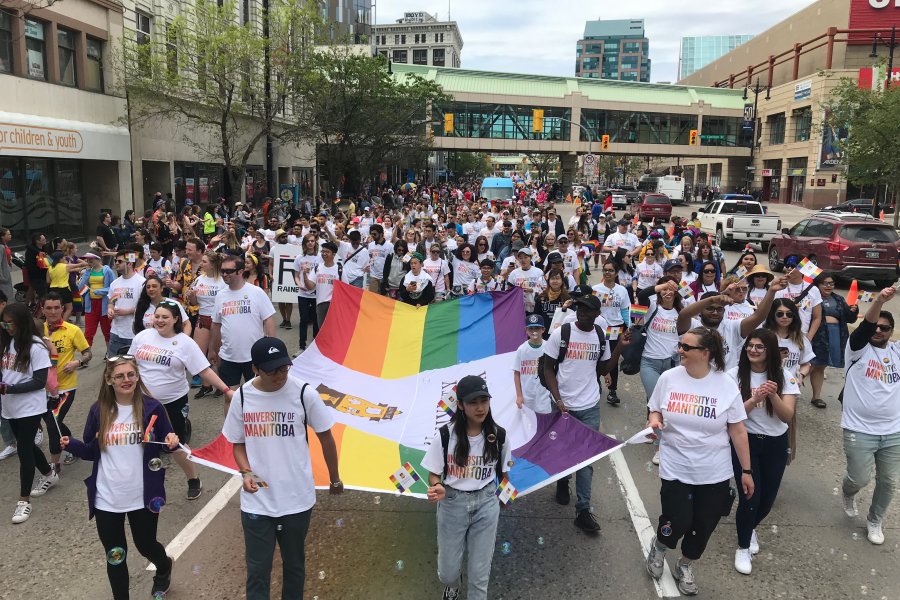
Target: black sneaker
x=562, y=492
x=195, y=488
x=287, y=325
x=450, y=593
x=162, y=581
x=587, y=522
x=612, y=399
x=203, y=391
x=282, y=323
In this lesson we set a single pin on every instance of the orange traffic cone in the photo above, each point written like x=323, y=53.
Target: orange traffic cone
x=853, y=294
x=881, y=216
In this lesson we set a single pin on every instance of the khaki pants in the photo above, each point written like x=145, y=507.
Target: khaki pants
x=374, y=285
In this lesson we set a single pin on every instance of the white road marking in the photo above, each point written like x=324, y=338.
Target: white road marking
x=203, y=518
x=666, y=586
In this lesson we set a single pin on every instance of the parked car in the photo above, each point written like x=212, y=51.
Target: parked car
x=854, y=246
x=860, y=205
x=738, y=219
x=633, y=196
x=655, y=206
x=619, y=199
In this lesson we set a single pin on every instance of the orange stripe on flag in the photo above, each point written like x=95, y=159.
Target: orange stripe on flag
x=373, y=326
x=320, y=469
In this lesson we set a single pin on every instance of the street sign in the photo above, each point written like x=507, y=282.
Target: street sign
x=590, y=165
x=749, y=114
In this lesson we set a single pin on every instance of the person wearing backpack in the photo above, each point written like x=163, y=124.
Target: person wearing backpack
x=464, y=461
x=266, y=425
x=576, y=357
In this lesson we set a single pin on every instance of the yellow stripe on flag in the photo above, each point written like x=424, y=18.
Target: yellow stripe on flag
x=368, y=460
x=404, y=345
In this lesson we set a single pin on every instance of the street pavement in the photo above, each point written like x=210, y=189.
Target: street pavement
x=363, y=545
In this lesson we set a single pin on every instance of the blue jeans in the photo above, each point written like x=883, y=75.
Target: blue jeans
x=768, y=458
x=585, y=475
x=116, y=344
x=358, y=282
x=260, y=534
x=467, y=522
x=865, y=452
x=651, y=369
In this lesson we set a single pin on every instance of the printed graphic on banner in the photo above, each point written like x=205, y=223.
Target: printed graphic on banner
x=284, y=288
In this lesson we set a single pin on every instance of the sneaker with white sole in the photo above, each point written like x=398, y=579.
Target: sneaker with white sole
x=754, y=543
x=450, y=593
x=655, y=459
x=23, y=511
x=8, y=451
x=45, y=483
x=655, y=560
x=39, y=437
x=849, y=505
x=743, y=561
x=69, y=458
x=684, y=575
x=876, y=535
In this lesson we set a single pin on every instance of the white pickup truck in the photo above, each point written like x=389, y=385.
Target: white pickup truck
x=738, y=219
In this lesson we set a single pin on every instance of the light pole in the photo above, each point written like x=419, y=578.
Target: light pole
x=757, y=89
x=587, y=132
x=887, y=83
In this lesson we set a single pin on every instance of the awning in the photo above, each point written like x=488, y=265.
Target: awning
x=46, y=137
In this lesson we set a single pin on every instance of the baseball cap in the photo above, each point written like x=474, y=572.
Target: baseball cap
x=590, y=301
x=471, y=387
x=268, y=354
x=553, y=257
x=534, y=321
x=791, y=261
x=562, y=237
x=280, y=233
x=581, y=290
x=89, y=255
x=672, y=264
x=526, y=250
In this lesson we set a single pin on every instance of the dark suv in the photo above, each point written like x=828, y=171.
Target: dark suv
x=854, y=246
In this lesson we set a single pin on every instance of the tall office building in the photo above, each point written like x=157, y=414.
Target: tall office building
x=420, y=39
x=613, y=49
x=697, y=52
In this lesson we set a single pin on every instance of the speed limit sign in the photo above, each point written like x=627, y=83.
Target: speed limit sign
x=590, y=159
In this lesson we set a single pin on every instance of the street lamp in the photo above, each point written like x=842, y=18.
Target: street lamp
x=756, y=89
x=587, y=132
x=891, y=45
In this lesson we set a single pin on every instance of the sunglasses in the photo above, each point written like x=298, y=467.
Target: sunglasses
x=784, y=315
x=130, y=376
x=119, y=357
x=880, y=327
x=757, y=347
x=688, y=347
x=708, y=272
x=231, y=271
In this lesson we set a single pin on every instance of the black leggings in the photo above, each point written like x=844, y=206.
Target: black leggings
x=24, y=430
x=690, y=512
x=768, y=455
x=307, y=310
x=614, y=371
x=111, y=529
x=52, y=431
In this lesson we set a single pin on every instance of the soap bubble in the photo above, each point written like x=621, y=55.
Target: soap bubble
x=844, y=557
x=540, y=542
x=873, y=572
x=321, y=574
x=855, y=536
x=505, y=548
x=115, y=556
x=339, y=523
x=834, y=492
x=156, y=504
x=831, y=551
x=769, y=556
x=609, y=481
x=775, y=529
x=154, y=464
x=195, y=569
x=649, y=466
x=399, y=565
x=863, y=590
x=278, y=528
x=377, y=499
x=552, y=435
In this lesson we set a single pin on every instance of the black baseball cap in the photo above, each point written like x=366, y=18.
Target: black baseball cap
x=269, y=353
x=591, y=302
x=581, y=290
x=471, y=387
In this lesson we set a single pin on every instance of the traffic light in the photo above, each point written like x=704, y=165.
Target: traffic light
x=694, y=139
x=537, y=120
x=448, y=123
x=604, y=142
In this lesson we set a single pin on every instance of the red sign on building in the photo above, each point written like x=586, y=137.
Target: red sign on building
x=873, y=14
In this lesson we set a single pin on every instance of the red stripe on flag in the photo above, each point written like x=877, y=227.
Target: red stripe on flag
x=336, y=334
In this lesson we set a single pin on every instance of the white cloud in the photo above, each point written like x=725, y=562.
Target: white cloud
x=538, y=37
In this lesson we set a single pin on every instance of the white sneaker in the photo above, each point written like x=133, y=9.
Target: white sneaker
x=655, y=459
x=68, y=457
x=39, y=437
x=45, y=483
x=849, y=505
x=23, y=511
x=743, y=561
x=754, y=543
x=8, y=451
x=876, y=535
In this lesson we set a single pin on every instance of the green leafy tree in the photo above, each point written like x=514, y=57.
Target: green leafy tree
x=544, y=164
x=469, y=164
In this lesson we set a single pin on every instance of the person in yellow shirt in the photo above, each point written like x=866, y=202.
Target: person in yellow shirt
x=58, y=279
x=67, y=339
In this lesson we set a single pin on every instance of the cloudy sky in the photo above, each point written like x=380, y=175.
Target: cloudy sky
x=538, y=36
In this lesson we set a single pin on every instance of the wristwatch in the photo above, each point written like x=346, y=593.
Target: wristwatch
x=337, y=484
x=747, y=471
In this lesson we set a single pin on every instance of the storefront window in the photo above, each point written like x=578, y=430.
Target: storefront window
x=36, y=49
x=69, y=199
x=51, y=191
x=41, y=215
x=93, y=66
x=803, y=124
x=399, y=56
x=12, y=206
x=65, y=41
x=5, y=42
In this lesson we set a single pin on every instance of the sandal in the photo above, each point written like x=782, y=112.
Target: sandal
x=818, y=403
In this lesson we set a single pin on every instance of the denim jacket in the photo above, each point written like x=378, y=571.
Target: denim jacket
x=108, y=277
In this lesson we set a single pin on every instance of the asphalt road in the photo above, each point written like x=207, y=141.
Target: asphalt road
x=363, y=545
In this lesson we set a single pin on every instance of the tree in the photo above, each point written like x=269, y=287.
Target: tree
x=469, y=164
x=359, y=117
x=872, y=148
x=544, y=164
x=607, y=165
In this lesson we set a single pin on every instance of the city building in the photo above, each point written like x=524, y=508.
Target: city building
x=613, y=49
x=420, y=39
x=797, y=63
x=699, y=51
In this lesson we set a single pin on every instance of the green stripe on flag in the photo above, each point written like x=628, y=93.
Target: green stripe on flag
x=439, y=348
x=414, y=457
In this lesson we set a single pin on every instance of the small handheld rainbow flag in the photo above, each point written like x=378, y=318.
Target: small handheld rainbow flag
x=445, y=407
x=63, y=398
x=638, y=311
x=612, y=332
x=149, y=433
x=404, y=477
x=506, y=492
x=84, y=290
x=590, y=246
x=809, y=269
x=684, y=289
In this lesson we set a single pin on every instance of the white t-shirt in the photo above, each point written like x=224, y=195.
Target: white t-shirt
x=806, y=306
x=151, y=310
x=613, y=300
x=796, y=356
x=422, y=280
x=536, y=396
x=758, y=420
x=480, y=286
x=732, y=342
x=532, y=284
x=241, y=314
x=626, y=240
x=124, y=293
x=648, y=274
x=120, y=481
x=377, y=254
x=160, y=267
x=354, y=267
x=662, y=332
x=872, y=389
x=694, y=446
x=739, y=312
x=570, y=261
x=28, y=404
x=206, y=288
x=436, y=269
x=323, y=278
x=756, y=295
x=309, y=261
x=270, y=425
x=476, y=474
x=163, y=363
x=577, y=375
x=464, y=273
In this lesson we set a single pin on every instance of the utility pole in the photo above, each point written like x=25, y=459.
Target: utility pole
x=267, y=102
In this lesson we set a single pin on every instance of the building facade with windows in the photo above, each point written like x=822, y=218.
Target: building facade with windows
x=699, y=51
x=613, y=49
x=420, y=39
x=64, y=150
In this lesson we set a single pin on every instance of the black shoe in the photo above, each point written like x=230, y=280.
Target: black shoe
x=587, y=522
x=218, y=394
x=195, y=488
x=203, y=391
x=562, y=493
x=612, y=398
x=162, y=581
x=287, y=325
x=282, y=323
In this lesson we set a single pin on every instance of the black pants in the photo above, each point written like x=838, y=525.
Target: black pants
x=307, y=309
x=690, y=512
x=52, y=431
x=111, y=529
x=768, y=455
x=30, y=456
x=614, y=372
x=260, y=534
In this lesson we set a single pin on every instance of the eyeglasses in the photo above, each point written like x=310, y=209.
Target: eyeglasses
x=880, y=327
x=279, y=370
x=229, y=271
x=784, y=315
x=827, y=284
x=688, y=347
x=130, y=376
x=715, y=309
x=757, y=347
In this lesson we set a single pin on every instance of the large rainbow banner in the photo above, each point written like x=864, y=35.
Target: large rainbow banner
x=388, y=371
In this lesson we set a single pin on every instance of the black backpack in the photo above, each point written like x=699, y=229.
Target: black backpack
x=501, y=439
x=565, y=335
x=631, y=355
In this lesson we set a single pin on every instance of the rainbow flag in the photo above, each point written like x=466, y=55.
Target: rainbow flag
x=442, y=404
x=387, y=372
x=148, y=435
x=63, y=398
x=639, y=311
x=809, y=269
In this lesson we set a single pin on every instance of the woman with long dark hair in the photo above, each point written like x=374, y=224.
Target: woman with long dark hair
x=150, y=297
x=770, y=395
x=784, y=322
x=831, y=337
x=127, y=479
x=396, y=264
x=24, y=366
x=555, y=295
x=465, y=269
x=708, y=280
x=464, y=461
x=306, y=262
